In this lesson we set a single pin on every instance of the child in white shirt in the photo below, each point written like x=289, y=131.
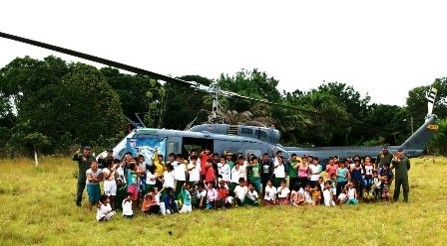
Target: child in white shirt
x=105, y=211
x=240, y=192
x=283, y=193
x=127, y=206
x=270, y=194
x=252, y=196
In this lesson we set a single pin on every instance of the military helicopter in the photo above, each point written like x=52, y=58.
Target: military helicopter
x=220, y=137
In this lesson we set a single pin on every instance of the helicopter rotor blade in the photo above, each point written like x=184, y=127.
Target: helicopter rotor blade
x=192, y=84
x=94, y=59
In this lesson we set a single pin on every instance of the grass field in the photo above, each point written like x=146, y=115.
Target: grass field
x=37, y=207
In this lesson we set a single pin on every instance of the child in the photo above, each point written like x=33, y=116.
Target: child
x=270, y=194
x=306, y=193
x=210, y=174
x=211, y=195
x=179, y=174
x=240, y=192
x=352, y=194
x=283, y=194
x=105, y=211
x=294, y=195
x=110, y=186
x=222, y=195
x=200, y=196
x=376, y=185
x=194, y=171
x=367, y=195
x=170, y=201
x=94, y=177
x=224, y=170
x=127, y=206
x=342, y=197
x=328, y=194
x=186, y=198
x=151, y=178
x=252, y=195
x=150, y=205
x=385, y=189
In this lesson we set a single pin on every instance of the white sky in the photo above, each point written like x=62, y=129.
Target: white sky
x=384, y=48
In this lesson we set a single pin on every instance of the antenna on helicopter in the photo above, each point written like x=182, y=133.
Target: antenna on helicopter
x=139, y=120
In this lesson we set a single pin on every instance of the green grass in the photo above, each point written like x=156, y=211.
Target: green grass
x=37, y=207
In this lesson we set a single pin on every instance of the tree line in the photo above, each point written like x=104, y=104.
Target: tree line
x=54, y=106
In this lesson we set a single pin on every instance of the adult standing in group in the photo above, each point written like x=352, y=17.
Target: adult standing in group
x=384, y=157
x=84, y=162
x=401, y=164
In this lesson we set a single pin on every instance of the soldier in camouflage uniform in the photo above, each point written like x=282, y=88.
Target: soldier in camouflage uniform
x=401, y=164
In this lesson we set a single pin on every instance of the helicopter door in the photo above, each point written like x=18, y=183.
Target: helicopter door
x=196, y=143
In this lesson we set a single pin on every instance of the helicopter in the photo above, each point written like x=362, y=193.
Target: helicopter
x=220, y=137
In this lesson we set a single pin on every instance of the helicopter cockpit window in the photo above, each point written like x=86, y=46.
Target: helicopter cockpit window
x=261, y=134
x=246, y=131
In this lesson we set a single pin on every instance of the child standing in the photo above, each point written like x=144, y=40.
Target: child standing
x=94, y=177
x=105, y=211
x=376, y=185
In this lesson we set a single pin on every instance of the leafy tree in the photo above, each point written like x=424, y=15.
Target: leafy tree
x=183, y=104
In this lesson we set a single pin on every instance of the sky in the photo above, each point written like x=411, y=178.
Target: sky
x=383, y=48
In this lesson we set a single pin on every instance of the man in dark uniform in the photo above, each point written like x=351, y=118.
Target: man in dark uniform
x=84, y=161
x=383, y=157
x=401, y=164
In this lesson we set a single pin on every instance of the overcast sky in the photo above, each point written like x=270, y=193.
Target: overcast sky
x=384, y=48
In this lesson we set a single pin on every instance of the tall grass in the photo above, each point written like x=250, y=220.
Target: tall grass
x=37, y=207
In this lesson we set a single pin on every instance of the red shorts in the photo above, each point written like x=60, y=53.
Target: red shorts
x=134, y=191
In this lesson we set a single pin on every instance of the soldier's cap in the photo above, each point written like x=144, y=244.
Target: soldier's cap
x=385, y=147
x=400, y=150
x=87, y=147
x=109, y=150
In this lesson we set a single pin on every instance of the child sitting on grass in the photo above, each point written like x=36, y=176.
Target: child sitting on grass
x=150, y=205
x=105, y=211
x=211, y=196
x=127, y=206
x=328, y=194
x=352, y=194
x=186, y=199
x=252, y=195
x=283, y=193
x=270, y=194
x=240, y=192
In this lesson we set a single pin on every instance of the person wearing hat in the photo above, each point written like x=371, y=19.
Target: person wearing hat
x=401, y=164
x=383, y=157
x=84, y=162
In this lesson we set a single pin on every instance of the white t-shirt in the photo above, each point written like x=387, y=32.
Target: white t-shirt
x=127, y=208
x=279, y=171
x=106, y=172
x=241, y=192
x=235, y=175
x=151, y=178
x=270, y=193
x=224, y=171
x=103, y=210
x=95, y=174
x=194, y=172
x=169, y=179
x=327, y=197
x=200, y=194
x=283, y=192
x=369, y=170
x=120, y=172
x=252, y=195
x=315, y=172
x=180, y=171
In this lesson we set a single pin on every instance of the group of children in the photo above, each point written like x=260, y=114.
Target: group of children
x=211, y=181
